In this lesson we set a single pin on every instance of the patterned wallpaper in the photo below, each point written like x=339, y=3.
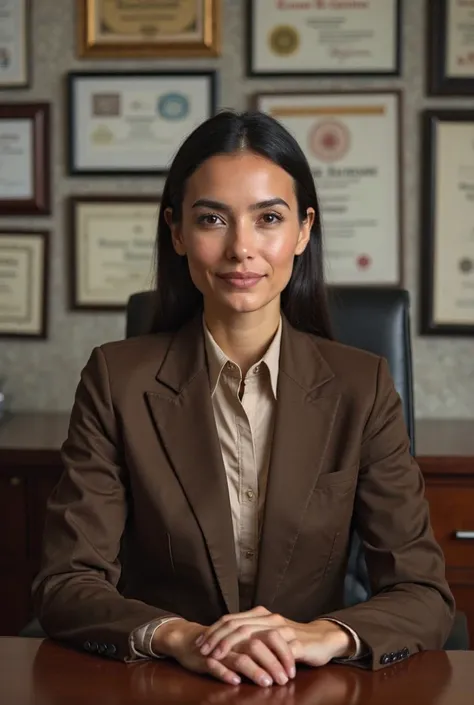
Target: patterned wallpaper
x=43, y=375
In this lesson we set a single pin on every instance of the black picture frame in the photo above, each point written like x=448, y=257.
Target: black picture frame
x=71, y=80
x=438, y=83
x=428, y=325
x=44, y=235
x=252, y=73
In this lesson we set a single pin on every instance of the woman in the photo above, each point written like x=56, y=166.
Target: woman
x=215, y=468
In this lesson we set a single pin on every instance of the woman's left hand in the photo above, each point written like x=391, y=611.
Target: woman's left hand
x=314, y=644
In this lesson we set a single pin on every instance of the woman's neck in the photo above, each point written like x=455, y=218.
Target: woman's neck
x=244, y=337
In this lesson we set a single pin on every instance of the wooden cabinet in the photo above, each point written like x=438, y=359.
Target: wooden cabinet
x=445, y=453
x=30, y=467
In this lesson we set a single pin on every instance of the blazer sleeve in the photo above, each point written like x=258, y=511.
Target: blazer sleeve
x=412, y=608
x=75, y=593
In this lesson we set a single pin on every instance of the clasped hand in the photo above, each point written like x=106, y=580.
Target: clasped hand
x=261, y=646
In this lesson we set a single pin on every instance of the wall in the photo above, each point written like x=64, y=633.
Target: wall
x=43, y=375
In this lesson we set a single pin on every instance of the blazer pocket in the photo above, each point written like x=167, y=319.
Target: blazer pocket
x=341, y=477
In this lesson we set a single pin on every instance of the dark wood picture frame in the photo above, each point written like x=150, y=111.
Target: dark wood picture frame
x=46, y=238
x=437, y=81
x=71, y=126
x=40, y=203
x=428, y=325
x=88, y=48
x=251, y=73
x=28, y=52
x=72, y=204
x=253, y=105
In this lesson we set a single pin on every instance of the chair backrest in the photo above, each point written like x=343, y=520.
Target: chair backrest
x=375, y=319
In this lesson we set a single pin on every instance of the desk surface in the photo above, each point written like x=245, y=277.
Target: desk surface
x=36, y=672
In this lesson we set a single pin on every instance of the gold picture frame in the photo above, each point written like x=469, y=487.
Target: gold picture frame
x=141, y=41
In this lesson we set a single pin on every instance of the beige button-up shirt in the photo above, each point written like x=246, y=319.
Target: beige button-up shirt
x=244, y=410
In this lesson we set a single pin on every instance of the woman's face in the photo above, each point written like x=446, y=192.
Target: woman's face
x=240, y=232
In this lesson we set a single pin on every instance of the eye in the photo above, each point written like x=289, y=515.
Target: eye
x=271, y=218
x=209, y=219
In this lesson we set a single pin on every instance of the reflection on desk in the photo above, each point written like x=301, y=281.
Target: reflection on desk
x=36, y=672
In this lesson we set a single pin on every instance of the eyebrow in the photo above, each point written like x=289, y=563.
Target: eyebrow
x=218, y=205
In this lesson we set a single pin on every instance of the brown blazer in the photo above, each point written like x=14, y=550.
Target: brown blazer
x=139, y=526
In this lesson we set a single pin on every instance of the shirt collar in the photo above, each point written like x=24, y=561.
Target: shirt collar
x=217, y=359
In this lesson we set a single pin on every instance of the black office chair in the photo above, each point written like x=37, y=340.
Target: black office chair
x=377, y=320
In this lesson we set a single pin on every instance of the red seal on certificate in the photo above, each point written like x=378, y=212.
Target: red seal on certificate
x=364, y=261
x=329, y=140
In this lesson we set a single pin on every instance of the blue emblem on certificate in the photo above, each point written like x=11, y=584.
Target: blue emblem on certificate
x=173, y=106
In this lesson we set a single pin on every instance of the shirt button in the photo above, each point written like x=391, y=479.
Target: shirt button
x=249, y=555
x=250, y=495
x=256, y=370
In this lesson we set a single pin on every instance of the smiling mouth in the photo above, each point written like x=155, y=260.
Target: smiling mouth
x=239, y=280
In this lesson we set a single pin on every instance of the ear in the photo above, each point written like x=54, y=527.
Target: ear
x=176, y=232
x=305, y=232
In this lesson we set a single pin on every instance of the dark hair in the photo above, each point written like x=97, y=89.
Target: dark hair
x=303, y=301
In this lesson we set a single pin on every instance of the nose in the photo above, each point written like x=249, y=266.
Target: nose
x=241, y=242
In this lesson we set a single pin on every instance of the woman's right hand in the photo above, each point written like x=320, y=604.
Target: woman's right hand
x=177, y=639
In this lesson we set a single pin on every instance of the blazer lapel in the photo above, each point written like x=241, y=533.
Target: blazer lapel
x=184, y=418
x=306, y=410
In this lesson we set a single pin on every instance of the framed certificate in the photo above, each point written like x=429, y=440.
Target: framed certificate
x=133, y=123
x=14, y=43
x=112, y=249
x=133, y=28
x=447, y=254
x=451, y=40
x=23, y=284
x=24, y=159
x=353, y=145
x=324, y=38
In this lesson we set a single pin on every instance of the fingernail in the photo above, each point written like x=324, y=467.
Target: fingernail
x=266, y=681
x=199, y=640
x=205, y=649
x=235, y=680
x=292, y=672
x=282, y=678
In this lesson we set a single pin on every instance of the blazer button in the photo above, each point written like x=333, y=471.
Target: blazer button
x=94, y=646
x=102, y=648
x=111, y=649
x=406, y=652
x=87, y=645
x=384, y=659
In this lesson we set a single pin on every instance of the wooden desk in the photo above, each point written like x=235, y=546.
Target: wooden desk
x=445, y=453
x=36, y=672
x=30, y=467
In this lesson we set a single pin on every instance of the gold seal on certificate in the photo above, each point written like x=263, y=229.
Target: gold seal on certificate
x=113, y=249
x=448, y=232
x=284, y=40
x=151, y=28
x=324, y=37
x=352, y=143
x=23, y=284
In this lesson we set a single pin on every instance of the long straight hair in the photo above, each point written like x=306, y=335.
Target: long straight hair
x=177, y=299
